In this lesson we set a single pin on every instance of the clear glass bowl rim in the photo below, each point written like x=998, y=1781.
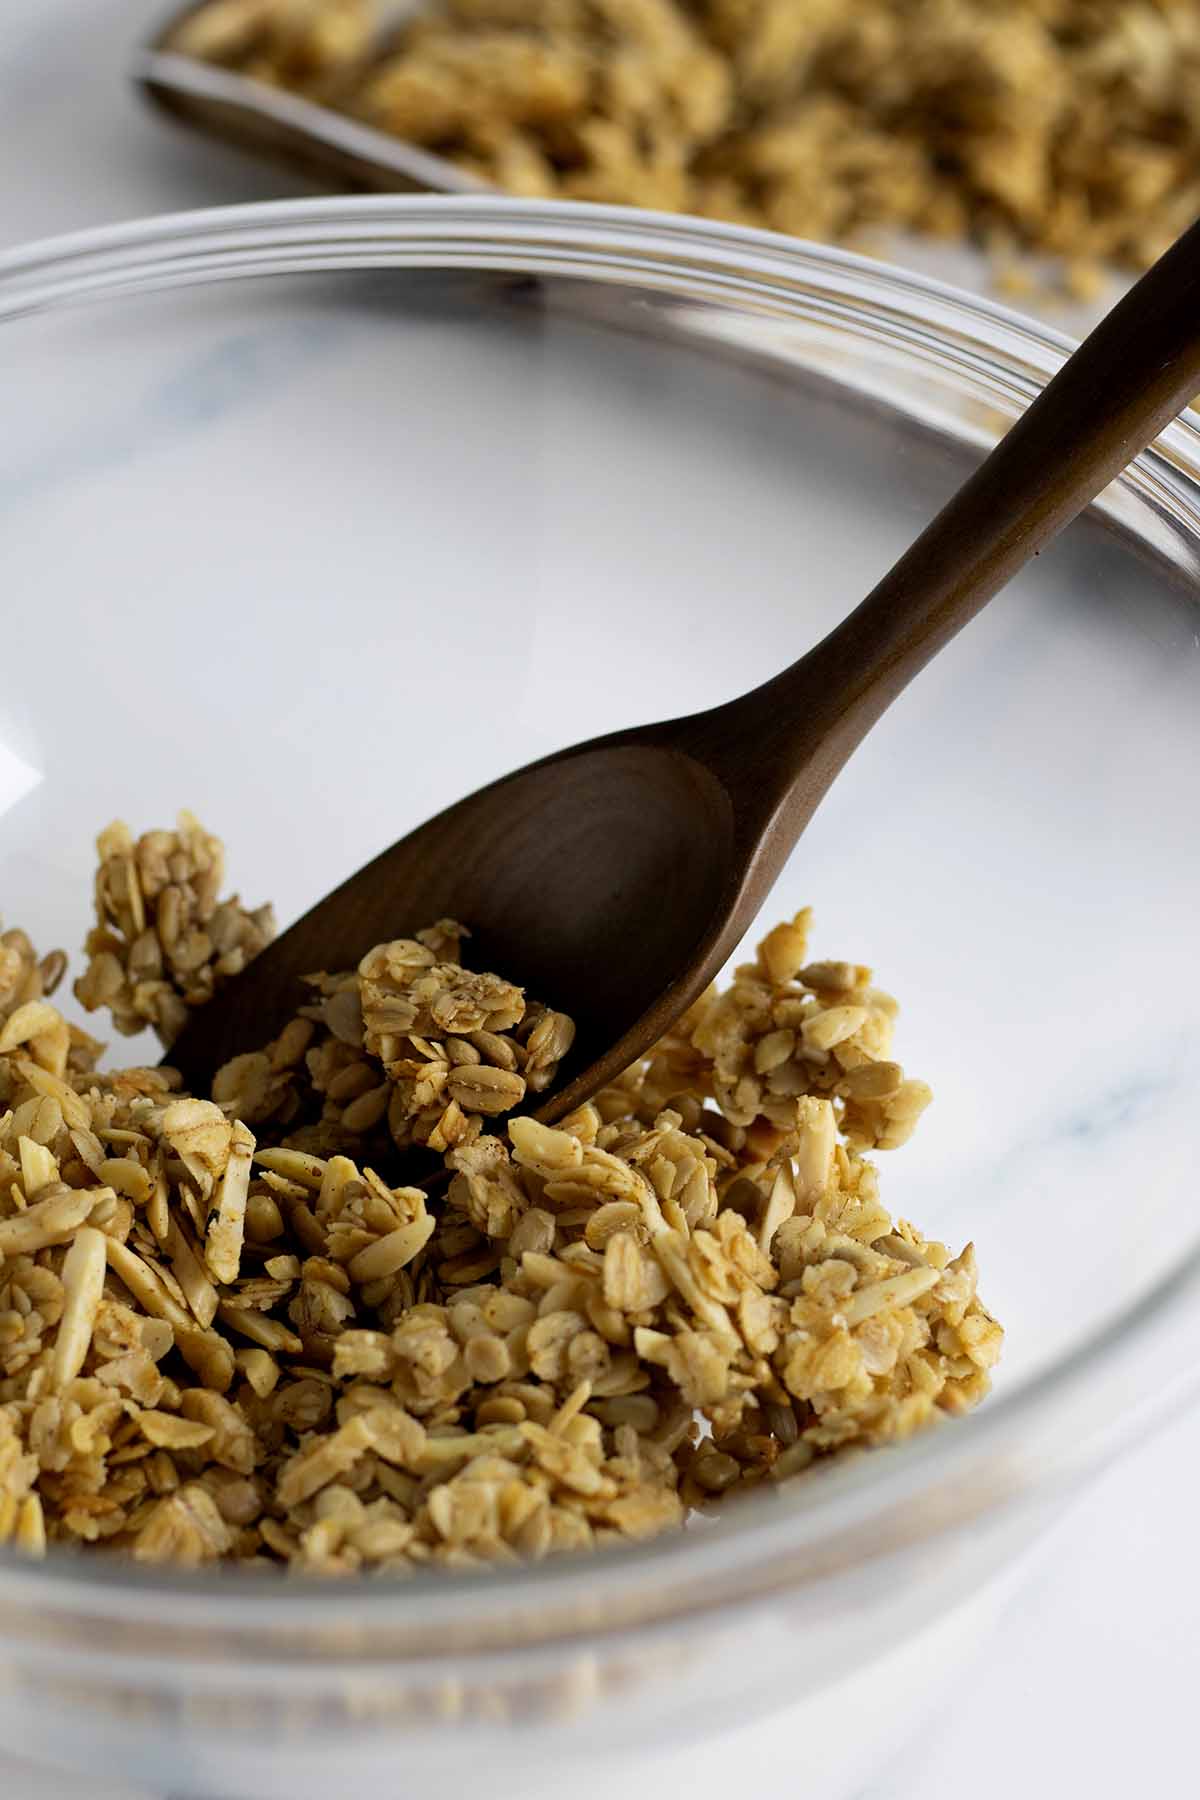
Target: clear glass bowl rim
x=1033, y=1436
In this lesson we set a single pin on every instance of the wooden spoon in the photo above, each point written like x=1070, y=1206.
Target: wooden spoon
x=614, y=878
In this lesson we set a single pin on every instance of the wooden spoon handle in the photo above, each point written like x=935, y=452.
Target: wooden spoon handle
x=1135, y=371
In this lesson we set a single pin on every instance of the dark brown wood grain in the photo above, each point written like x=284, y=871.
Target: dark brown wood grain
x=614, y=878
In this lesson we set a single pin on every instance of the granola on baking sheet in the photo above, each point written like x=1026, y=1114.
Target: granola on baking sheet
x=1059, y=126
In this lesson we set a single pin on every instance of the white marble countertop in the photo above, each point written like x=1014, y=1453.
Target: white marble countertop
x=1087, y=1685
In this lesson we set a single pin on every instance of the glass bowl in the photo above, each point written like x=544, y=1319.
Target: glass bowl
x=316, y=515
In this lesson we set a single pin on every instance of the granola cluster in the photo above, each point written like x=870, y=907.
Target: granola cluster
x=408, y=1049
x=229, y=1330
x=163, y=940
x=1065, y=126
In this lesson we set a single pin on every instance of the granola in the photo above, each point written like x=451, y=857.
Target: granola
x=163, y=940
x=1062, y=126
x=231, y=1331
